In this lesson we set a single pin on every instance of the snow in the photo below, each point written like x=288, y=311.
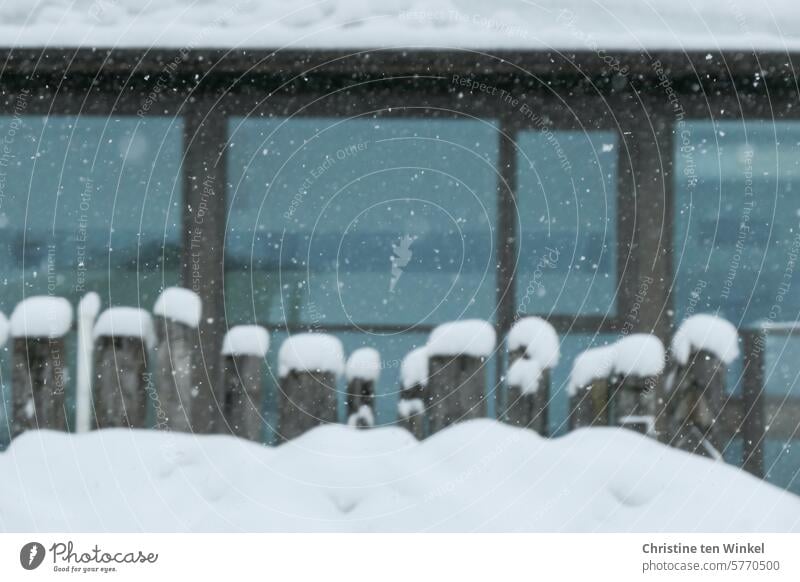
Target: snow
x=545, y=24
x=414, y=368
x=126, y=322
x=525, y=375
x=407, y=407
x=705, y=332
x=41, y=316
x=476, y=476
x=311, y=352
x=88, y=308
x=364, y=417
x=246, y=340
x=590, y=365
x=364, y=364
x=179, y=304
x=468, y=337
x=639, y=354
x=538, y=337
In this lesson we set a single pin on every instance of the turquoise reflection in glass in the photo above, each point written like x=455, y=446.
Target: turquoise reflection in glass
x=567, y=210
x=356, y=221
x=89, y=204
x=737, y=219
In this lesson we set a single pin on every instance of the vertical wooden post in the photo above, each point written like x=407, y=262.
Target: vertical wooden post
x=309, y=364
x=413, y=382
x=123, y=336
x=243, y=351
x=753, y=431
x=635, y=382
x=525, y=406
x=588, y=387
x=177, y=314
x=39, y=375
x=457, y=353
x=362, y=371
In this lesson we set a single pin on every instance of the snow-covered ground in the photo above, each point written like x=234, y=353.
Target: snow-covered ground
x=562, y=24
x=476, y=476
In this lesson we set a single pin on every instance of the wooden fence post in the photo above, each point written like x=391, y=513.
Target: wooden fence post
x=177, y=315
x=588, y=387
x=531, y=338
x=243, y=353
x=701, y=349
x=413, y=382
x=39, y=375
x=638, y=364
x=308, y=366
x=525, y=403
x=123, y=336
x=457, y=355
x=362, y=371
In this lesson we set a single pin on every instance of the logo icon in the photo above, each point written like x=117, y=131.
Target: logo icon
x=31, y=555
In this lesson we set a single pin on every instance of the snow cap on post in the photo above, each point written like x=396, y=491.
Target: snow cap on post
x=246, y=340
x=708, y=333
x=525, y=374
x=364, y=364
x=126, y=322
x=4, y=329
x=639, y=354
x=590, y=365
x=179, y=304
x=311, y=352
x=538, y=338
x=41, y=316
x=469, y=337
x=408, y=407
x=89, y=306
x=414, y=368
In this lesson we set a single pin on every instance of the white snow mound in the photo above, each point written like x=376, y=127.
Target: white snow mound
x=414, y=368
x=538, y=338
x=364, y=364
x=334, y=478
x=705, y=332
x=89, y=306
x=41, y=316
x=246, y=340
x=590, y=365
x=407, y=407
x=639, y=354
x=525, y=374
x=468, y=337
x=179, y=304
x=311, y=352
x=126, y=322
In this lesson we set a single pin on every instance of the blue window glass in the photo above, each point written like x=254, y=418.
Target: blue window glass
x=89, y=204
x=567, y=211
x=361, y=221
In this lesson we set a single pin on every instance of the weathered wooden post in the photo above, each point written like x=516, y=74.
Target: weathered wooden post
x=701, y=350
x=308, y=366
x=413, y=382
x=177, y=315
x=123, y=336
x=362, y=371
x=588, y=387
x=457, y=355
x=524, y=391
x=88, y=308
x=535, y=339
x=243, y=353
x=40, y=373
x=638, y=364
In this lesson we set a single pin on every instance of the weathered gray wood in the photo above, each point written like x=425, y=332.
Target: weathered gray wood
x=589, y=405
x=456, y=390
x=120, y=366
x=360, y=394
x=174, y=374
x=696, y=404
x=529, y=410
x=38, y=379
x=413, y=423
x=631, y=402
x=241, y=381
x=307, y=400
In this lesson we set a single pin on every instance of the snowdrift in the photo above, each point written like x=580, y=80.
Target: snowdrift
x=477, y=476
